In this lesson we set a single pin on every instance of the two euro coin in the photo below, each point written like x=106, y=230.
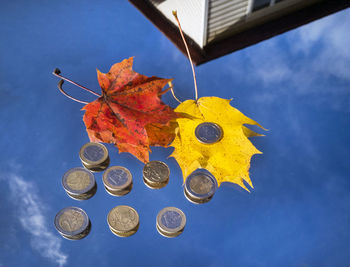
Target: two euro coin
x=200, y=186
x=72, y=223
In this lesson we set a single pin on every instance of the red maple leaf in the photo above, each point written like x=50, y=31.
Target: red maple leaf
x=129, y=113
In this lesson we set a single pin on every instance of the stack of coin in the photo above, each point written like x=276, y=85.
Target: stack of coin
x=79, y=183
x=123, y=221
x=156, y=174
x=117, y=180
x=208, y=133
x=200, y=186
x=72, y=223
x=94, y=156
x=171, y=222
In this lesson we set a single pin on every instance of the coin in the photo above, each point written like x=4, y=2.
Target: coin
x=156, y=174
x=98, y=168
x=94, y=156
x=79, y=183
x=72, y=223
x=200, y=186
x=123, y=221
x=208, y=133
x=171, y=222
x=117, y=180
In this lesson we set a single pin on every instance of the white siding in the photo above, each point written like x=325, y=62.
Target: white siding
x=191, y=15
x=211, y=20
x=222, y=14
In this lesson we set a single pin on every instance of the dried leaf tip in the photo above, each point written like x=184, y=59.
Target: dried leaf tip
x=56, y=71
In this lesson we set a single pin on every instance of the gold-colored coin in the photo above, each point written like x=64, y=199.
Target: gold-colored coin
x=123, y=221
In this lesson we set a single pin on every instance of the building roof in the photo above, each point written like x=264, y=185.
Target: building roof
x=214, y=28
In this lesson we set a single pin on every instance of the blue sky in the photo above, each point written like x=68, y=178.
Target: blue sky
x=297, y=85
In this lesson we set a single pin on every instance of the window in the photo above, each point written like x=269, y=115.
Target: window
x=259, y=4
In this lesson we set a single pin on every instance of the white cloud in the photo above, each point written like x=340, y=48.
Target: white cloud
x=329, y=37
x=271, y=69
x=313, y=60
x=31, y=217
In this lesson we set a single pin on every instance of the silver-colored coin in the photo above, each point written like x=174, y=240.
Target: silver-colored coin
x=97, y=168
x=156, y=174
x=117, y=180
x=208, y=133
x=72, y=223
x=123, y=220
x=171, y=222
x=200, y=186
x=79, y=183
x=94, y=156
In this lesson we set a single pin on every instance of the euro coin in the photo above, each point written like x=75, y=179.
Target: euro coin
x=171, y=222
x=79, y=183
x=156, y=174
x=94, y=156
x=200, y=186
x=123, y=221
x=117, y=180
x=208, y=133
x=72, y=223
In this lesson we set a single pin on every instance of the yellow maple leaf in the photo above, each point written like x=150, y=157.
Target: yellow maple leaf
x=227, y=159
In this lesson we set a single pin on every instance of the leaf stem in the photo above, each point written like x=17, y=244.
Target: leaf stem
x=170, y=88
x=188, y=53
x=57, y=73
x=172, y=92
x=59, y=85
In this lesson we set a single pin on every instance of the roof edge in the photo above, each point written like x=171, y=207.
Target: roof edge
x=170, y=30
x=242, y=39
